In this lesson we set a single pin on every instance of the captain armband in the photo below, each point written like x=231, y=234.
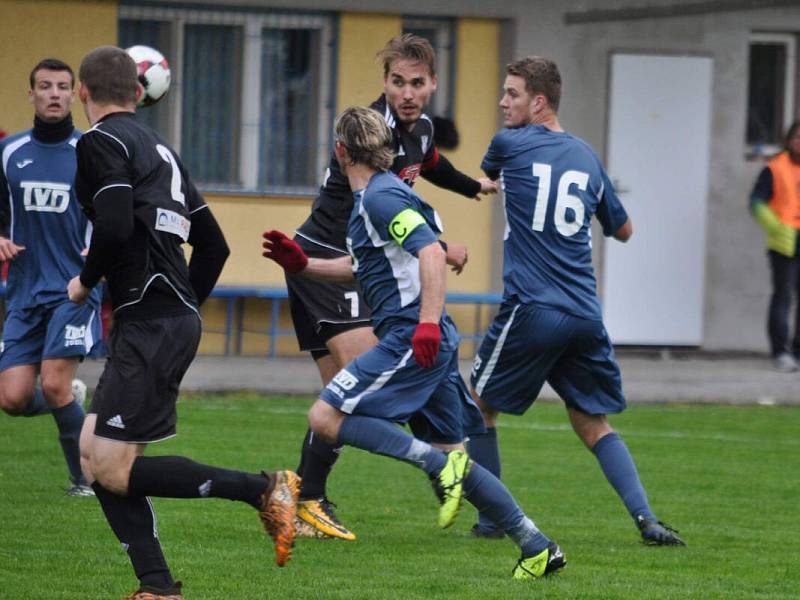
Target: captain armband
x=404, y=222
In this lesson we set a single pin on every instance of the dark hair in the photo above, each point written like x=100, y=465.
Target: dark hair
x=110, y=75
x=790, y=134
x=541, y=77
x=366, y=136
x=410, y=47
x=52, y=64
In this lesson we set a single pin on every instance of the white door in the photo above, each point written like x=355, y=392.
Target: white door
x=658, y=157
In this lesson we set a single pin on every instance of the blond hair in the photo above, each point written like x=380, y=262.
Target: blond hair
x=366, y=136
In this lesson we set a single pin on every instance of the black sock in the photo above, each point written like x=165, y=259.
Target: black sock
x=134, y=523
x=317, y=461
x=69, y=420
x=180, y=477
x=303, y=453
x=37, y=405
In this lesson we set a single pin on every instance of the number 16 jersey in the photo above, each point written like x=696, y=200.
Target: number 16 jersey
x=553, y=184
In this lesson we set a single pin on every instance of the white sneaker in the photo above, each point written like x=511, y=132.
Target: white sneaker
x=79, y=391
x=79, y=489
x=785, y=363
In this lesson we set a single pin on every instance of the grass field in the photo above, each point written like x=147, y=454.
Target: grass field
x=727, y=477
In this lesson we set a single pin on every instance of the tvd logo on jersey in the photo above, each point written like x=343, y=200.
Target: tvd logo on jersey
x=74, y=336
x=45, y=196
x=344, y=381
x=410, y=173
x=172, y=222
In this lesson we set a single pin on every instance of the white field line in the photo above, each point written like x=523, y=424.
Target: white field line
x=509, y=423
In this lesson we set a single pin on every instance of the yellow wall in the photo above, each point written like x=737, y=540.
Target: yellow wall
x=33, y=30
x=360, y=74
x=476, y=95
x=67, y=29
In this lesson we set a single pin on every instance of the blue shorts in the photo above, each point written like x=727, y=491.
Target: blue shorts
x=59, y=330
x=386, y=383
x=527, y=345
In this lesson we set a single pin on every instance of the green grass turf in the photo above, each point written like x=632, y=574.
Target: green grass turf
x=727, y=477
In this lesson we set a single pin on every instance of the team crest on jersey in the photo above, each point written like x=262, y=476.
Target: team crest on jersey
x=45, y=196
x=425, y=141
x=172, y=222
x=409, y=173
x=74, y=336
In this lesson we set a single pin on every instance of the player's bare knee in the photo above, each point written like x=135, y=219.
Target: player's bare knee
x=325, y=421
x=489, y=414
x=56, y=390
x=13, y=403
x=589, y=428
x=112, y=475
x=86, y=442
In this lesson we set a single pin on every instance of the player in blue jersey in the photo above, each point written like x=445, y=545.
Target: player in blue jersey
x=549, y=327
x=411, y=375
x=332, y=319
x=44, y=233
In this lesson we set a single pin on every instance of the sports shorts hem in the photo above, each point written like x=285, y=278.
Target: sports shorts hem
x=161, y=439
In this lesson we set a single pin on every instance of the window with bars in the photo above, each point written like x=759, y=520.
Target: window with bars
x=250, y=104
x=771, y=91
x=440, y=32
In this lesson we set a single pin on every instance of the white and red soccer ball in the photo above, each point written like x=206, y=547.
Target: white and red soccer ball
x=154, y=74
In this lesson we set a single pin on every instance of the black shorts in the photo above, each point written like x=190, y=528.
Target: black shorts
x=135, y=397
x=321, y=309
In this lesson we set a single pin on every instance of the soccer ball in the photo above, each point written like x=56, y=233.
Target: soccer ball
x=154, y=74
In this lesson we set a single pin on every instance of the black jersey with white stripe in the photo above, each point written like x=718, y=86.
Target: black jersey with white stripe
x=118, y=151
x=415, y=151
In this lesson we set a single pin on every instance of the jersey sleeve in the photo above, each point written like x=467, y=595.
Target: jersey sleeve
x=5, y=202
x=610, y=212
x=103, y=162
x=762, y=190
x=396, y=217
x=194, y=199
x=495, y=156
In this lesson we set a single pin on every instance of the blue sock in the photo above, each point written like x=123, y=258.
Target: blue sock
x=37, y=405
x=69, y=420
x=382, y=437
x=484, y=450
x=617, y=463
x=488, y=494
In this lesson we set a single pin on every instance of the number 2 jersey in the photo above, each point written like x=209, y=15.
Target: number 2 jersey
x=39, y=204
x=120, y=152
x=553, y=184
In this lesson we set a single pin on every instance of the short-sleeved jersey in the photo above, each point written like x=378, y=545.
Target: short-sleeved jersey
x=327, y=224
x=119, y=151
x=38, y=199
x=388, y=227
x=553, y=184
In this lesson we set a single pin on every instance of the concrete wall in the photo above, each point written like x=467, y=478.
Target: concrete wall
x=577, y=35
x=31, y=31
x=737, y=276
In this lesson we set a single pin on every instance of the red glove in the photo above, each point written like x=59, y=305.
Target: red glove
x=425, y=343
x=287, y=253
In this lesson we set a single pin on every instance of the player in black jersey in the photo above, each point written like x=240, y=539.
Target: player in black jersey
x=332, y=320
x=144, y=206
